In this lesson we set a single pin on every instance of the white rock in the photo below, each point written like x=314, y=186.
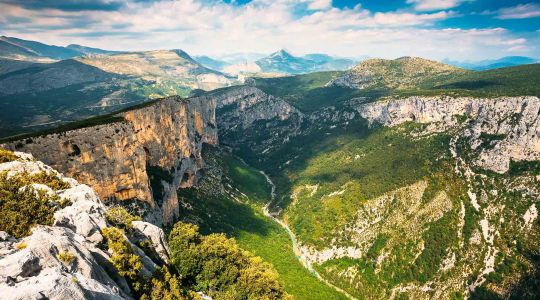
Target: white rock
x=155, y=235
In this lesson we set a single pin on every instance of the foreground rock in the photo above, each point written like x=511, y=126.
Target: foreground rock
x=69, y=259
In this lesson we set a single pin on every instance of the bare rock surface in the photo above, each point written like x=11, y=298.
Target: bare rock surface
x=113, y=158
x=68, y=260
x=511, y=123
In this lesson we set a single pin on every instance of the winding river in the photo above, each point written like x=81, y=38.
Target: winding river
x=301, y=257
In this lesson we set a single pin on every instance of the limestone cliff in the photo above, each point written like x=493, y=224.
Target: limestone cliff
x=148, y=155
x=503, y=129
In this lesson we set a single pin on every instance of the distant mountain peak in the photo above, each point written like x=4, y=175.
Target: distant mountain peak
x=281, y=53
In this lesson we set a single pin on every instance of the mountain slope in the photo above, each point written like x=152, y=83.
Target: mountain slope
x=162, y=65
x=19, y=49
x=89, y=50
x=15, y=48
x=211, y=63
x=38, y=96
x=44, y=77
x=283, y=62
x=401, y=73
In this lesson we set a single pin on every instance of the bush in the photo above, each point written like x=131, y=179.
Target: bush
x=6, y=156
x=119, y=217
x=22, y=208
x=124, y=259
x=67, y=258
x=165, y=286
x=48, y=179
x=216, y=265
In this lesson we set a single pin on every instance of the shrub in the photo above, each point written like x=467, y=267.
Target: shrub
x=118, y=216
x=6, y=156
x=67, y=258
x=124, y=259
x=48, y=179
x=216, y=265
x=22, y=208
x=21, y=245
x=165, y=286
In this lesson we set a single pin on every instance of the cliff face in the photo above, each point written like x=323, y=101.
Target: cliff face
x=156, y=150
x=503, y=129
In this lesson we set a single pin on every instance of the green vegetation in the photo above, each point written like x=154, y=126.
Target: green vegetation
x=524, y=166
x=364, y=168
x=510, y=81
x=124, y=259
x=308, y=92
x=215, y=265
x=21, y=245
x=119, y=217
x=167, y=286
x=22, y=206
x=241, y=217
x=6, y=156
x=67, y=258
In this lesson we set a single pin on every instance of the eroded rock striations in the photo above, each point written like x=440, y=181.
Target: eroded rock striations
x=504, y=129
x=66, y=260
x=147, y=156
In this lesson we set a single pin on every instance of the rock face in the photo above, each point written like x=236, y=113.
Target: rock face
x=242, y=106
x=146, y=155
x=32, y=267
x=509, y=125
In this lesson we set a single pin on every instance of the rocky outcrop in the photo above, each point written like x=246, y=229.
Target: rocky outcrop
x=146, y=154
x=240, y=107
x=509, y=126
x=66, y=260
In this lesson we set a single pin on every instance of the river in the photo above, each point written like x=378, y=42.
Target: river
x=301, y=257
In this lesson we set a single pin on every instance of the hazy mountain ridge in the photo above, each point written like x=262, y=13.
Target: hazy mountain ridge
x=95, y=82
x=14, y=48
x=489, y=64
x=281, y=62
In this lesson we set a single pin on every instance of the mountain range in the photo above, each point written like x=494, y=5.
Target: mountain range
x=489, y=64
x=279, y=62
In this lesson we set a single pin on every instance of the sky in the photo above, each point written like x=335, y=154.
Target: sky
x=436, y=29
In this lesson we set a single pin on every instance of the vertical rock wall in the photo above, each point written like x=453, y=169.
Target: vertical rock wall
x=146, y=157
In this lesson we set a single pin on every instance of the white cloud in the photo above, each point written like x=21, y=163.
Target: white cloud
x=429, y=5
x=522, y=11
x=320, y=4
x=262, y=26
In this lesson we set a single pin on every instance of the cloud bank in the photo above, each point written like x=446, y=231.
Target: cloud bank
x=303, y=26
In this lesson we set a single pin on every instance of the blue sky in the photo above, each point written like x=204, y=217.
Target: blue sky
x=437, y=29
